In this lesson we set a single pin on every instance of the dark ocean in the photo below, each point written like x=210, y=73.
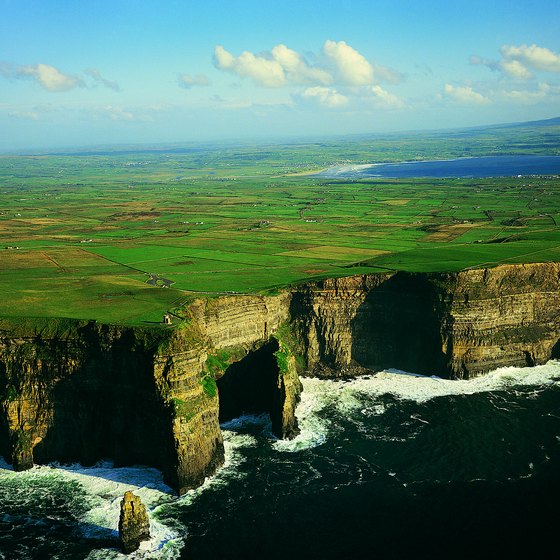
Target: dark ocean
x=388, y=466
x=469, y=167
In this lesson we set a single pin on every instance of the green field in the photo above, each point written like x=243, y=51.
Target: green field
x=81, y=233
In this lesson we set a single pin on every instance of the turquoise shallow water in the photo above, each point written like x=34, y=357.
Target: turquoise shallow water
x=390, y=466
x=476, y=167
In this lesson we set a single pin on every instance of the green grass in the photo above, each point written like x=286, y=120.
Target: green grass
x=90, y=228
x=209, y=386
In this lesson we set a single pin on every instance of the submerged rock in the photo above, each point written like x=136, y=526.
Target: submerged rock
x=134, y=525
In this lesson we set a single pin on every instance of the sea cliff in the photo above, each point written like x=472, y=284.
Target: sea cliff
x=81, y=391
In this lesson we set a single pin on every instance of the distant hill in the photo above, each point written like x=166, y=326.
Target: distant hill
x=530, y=124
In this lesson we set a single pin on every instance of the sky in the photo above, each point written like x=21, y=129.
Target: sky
x=83, y=72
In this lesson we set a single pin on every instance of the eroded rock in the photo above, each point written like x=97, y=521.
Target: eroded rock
x=134, y=524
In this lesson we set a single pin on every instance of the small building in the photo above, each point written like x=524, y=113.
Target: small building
x=167, y=319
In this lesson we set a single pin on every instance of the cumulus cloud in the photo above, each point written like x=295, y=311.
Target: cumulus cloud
x=520, y=62
x=49, y=77
x=515, y=69
x=263, y=71
x=187, y=81
x=325, y=96
x=465, y=95
x=96, y=75
x=351, y=67
x=297, y=69
x=538, y=58
x=338, y=63
x=54, y=80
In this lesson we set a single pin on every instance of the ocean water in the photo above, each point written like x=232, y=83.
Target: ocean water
x=475, y=167
x=391, y=465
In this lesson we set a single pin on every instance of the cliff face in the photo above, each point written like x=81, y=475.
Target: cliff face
x=454, y=325
x=508, y=315
x=156, y=396
x=92, y=391
x=83, y=396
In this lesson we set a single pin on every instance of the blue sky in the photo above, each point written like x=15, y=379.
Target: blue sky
x=78, y=73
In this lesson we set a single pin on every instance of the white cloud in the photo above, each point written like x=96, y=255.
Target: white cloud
x=351, y=67
x=387, y=99
x=520, y=62
x=54, y=80
x=296, y=68
x=96, y=75
x=49, y=77
x=187, y=81
x=325, y=96
x=465, y=95
x=339, y=63
x=538, y=58
x=515, y=69
x=282, y=66
x=265, y=72
x=529, y=97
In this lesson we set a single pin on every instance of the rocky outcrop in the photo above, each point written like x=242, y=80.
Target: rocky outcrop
x=80, y=391
x=134, y=524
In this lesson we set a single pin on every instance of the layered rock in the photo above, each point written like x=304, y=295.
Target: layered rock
x=86, y=392
x=503, y=316
x=83, y=393
x=80, y=391
x=449, y=324
x=134, y=524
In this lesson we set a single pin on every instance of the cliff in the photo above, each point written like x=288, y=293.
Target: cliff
x=80, y=391
x=453, y=325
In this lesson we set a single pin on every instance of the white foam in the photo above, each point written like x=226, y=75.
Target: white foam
x=420, y=389
x=234, y=442
x=105, y=486
x=345, y=395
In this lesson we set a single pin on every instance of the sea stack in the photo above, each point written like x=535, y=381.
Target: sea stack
x=134, y=525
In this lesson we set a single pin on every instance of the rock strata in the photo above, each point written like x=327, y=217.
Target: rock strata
x=134, y=524
x=62, y=383
x=455, y=325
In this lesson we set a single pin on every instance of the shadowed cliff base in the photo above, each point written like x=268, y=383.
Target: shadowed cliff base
x=111, y=409
x=457, y=325
x=399, y=325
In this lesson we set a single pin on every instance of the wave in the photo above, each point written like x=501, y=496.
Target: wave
x=92, y=495
x=346, y=396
